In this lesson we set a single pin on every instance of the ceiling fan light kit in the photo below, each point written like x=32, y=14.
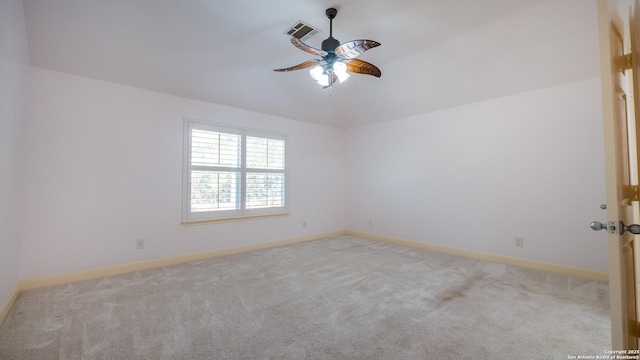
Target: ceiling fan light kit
x=337, y=60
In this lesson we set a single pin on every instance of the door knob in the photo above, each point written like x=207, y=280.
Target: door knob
x=633, y=228
x=597, y=226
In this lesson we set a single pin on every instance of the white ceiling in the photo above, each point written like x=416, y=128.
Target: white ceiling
x=435, y=54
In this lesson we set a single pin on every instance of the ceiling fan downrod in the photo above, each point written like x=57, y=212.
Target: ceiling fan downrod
x=330, y=44
x=331, y=14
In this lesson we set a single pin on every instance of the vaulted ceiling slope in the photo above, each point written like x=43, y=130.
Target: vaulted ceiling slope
x=434, y=55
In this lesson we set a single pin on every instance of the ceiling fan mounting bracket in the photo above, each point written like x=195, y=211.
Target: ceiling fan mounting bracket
x=331, y=13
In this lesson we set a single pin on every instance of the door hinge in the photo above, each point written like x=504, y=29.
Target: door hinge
x=624, y=62
x=630, y=193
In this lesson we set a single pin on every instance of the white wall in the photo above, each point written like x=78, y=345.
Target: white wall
x=103, y=167
x=14, y=62
x=477, y=176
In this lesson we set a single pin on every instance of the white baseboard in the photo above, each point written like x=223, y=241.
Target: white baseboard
x=503, y=259
x=4, y=310
x=34, y=283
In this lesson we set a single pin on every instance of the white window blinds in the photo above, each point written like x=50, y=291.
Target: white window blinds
x=232, y=172
x=265, y=173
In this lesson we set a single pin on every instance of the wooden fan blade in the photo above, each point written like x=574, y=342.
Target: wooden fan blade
x=304, y=65
x=304, y=47
x=362, y=67
x=351, y=49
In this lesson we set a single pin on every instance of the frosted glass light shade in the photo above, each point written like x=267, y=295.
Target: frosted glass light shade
x=340, y=69
x=316, y=72
x=324, y=80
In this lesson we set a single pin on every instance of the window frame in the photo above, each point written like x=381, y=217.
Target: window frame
x=236, y=214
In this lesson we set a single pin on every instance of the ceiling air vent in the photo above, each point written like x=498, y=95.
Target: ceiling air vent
x=301, y=30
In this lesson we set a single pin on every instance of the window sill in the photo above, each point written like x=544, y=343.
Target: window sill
x=232, y=219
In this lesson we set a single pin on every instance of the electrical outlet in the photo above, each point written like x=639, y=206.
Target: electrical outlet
x=140, y=244
x=304, y=224
x=370, y=223
x=519, y=242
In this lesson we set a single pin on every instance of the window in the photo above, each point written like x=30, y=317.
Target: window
x=232, y=172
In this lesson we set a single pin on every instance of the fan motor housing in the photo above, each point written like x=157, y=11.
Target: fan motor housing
x=330, y=44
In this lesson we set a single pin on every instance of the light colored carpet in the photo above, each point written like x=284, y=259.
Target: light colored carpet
x=336, y=298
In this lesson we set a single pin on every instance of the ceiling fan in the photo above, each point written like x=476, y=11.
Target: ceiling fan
x=337, y=60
